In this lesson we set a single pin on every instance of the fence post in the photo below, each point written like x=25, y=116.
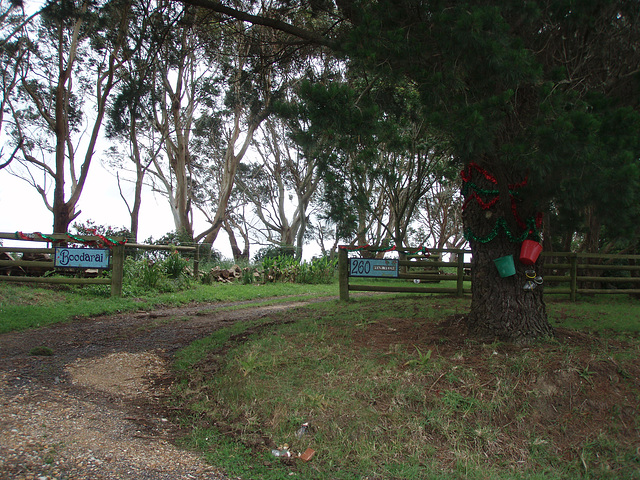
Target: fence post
x=196, y=261
x=460, y=279
x=117, y=270
x=343, y=274
x=573, y=262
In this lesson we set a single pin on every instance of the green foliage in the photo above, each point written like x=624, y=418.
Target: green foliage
x=175, y=265
x=145, y=274
x=274, y=251
x=318, y=270
x=451, y=410
x=288, y=269
x=280, y=269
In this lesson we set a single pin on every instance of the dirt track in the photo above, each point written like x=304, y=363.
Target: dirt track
x=94, y=408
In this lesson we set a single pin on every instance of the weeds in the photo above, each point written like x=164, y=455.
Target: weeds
x=175, y=265
x=449, y=409
x=422, y=361
x=288, y=269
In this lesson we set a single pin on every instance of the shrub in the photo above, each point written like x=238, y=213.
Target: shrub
x=175, y=265
x=274, y=252
x=288, y=269
x=282, y=268
x=318, y=270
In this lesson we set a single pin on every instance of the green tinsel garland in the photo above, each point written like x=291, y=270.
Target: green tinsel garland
x=502, y=223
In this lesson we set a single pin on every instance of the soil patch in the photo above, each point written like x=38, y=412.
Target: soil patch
x=96, y=408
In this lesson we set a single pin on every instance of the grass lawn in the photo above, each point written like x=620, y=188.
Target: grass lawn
x=23, y=307
x=391, y=386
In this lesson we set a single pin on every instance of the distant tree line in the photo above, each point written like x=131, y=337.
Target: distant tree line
x=359, y=122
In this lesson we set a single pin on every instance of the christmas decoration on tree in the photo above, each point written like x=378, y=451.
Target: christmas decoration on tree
x=530, y=227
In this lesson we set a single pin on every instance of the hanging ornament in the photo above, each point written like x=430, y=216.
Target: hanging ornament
x=529, y=252
x=533, y=280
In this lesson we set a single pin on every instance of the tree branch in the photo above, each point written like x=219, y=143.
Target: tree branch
x=311, y=37
x=13, y=155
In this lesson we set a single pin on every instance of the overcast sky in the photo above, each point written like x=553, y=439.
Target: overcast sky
x=23, y=209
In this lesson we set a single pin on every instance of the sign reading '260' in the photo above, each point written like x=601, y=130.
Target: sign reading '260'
x=373, y=267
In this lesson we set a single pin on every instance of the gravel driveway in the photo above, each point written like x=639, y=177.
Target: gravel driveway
x=94, y=409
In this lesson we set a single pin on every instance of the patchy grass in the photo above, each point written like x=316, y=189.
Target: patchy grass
x=29, y=306
x=601, y=313
x=394, y=388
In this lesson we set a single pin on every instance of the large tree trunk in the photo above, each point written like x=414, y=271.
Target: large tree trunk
x=233, y=242
x=500, y=307
x=496, y=221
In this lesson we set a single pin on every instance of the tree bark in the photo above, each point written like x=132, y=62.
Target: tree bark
x=238, y=254
x=500, y=307
x=496, y=223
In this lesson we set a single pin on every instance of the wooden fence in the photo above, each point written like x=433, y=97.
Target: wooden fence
x=116, y=262
x=591, y=273
x=563, y=272
x=414, y=269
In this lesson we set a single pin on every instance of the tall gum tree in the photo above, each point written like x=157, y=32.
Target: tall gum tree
x=280, y=188
x=262, y=64
x=134, y=144
x=72, y=58
x=179, y=71
x=12, y=53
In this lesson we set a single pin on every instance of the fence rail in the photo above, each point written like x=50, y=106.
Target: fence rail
x=415, y=269
x=576, y=273
x=116, y=261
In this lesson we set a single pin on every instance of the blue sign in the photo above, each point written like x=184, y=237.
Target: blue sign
x=373, y=267
x=81, y=257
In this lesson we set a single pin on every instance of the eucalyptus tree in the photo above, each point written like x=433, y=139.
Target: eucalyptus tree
x=262, y=64
x=280, y=188
x=73, y=53
x=134, y=143
x=247, y=102
x=440, y=216
x=182, y=83
x=331, y=126
x=12, y=52
x=407, y=175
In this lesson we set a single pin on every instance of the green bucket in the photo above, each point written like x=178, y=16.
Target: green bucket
x=506, y=266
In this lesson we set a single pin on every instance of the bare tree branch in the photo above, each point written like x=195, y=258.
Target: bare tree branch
x=13, y=155
x=311, y=37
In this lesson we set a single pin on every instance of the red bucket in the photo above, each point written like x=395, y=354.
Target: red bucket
x=529, y=252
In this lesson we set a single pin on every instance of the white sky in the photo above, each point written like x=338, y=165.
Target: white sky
x=23, y=209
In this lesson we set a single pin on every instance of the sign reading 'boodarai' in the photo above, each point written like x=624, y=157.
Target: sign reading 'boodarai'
x=373, y=267
x=81, y=258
